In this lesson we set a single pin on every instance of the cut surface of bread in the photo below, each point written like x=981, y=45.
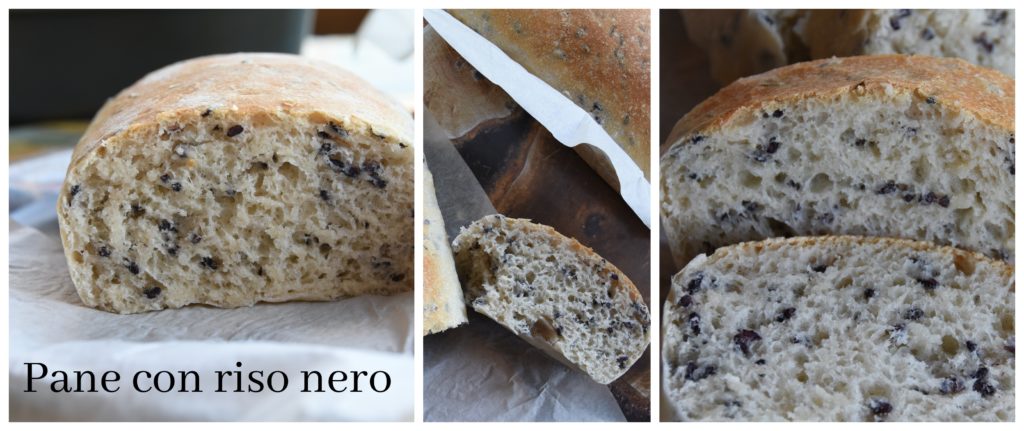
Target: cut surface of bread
x=902, y=146
x=840, y=329
x=747, y=42
x=444, y=306
x=234, y=179
x=982, y=37
x=554, y=293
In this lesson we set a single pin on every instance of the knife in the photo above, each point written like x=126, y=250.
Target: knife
x=568, y=123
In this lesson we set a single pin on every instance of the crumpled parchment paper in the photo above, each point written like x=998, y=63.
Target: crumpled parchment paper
x=49, y=324
x=483, y=372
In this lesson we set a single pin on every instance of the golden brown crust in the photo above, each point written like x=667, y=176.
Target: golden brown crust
x=443, y=303
x=255, y=86
x=599, y=58
x=956, y=254
x=955, y=84
x=461, y=99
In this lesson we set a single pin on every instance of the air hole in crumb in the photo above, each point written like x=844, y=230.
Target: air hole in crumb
x=750, y=180
x=950, y=345
x=821, y=183
x=802, y=376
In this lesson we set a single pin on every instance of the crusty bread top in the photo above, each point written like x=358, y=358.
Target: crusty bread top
x=462, y=100
x=768, y=245
x=599, y=58
x=443, y=303
x=954, y=83
x=247, y=84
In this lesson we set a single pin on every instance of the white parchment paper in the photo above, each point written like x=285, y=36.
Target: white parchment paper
x=49, y=324
x=483, y=372
x=568, y=123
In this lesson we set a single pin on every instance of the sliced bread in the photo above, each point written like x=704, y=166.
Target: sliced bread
x=555, y=293
x=747, y=42
x=840, y=329
x=902, y=146
x=983, y=37
x=234, y=179
x=444, y=306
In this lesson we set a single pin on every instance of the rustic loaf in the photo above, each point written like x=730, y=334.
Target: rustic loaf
x=555, y=293
x=982, y=37
x=746, y=42
x=598, y=58
x=742, y=42
x=444, y=306
x=904, y=146
x=233, y=179
x=461, y=99
x=840, y=329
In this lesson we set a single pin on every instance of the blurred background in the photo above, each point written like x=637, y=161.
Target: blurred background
x=66, y=63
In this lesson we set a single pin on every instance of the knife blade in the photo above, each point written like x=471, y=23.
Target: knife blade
x=568, y=123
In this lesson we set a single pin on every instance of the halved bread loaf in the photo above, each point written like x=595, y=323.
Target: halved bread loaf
x=840, y=329
x=444, y=306
x=554, y=293
x=983, y=37
x=747, y=42
x=233, y=179
x=902, y=146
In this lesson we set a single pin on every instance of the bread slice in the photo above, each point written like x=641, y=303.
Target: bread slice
x=233, y=179
x=903, y=146
x=840, y=329
x=982, y=37
x=555, y=293
x=443, y=304
x=598, y=58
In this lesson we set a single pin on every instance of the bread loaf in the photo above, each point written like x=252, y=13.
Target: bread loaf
x=743, y=42
x=903, y=146
x=555, y=293
x=982, y=37
x=443, y=303
x=233, y=179
x=598, y=58
x=461, y=99
x=746, y=42
x=840, y=329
